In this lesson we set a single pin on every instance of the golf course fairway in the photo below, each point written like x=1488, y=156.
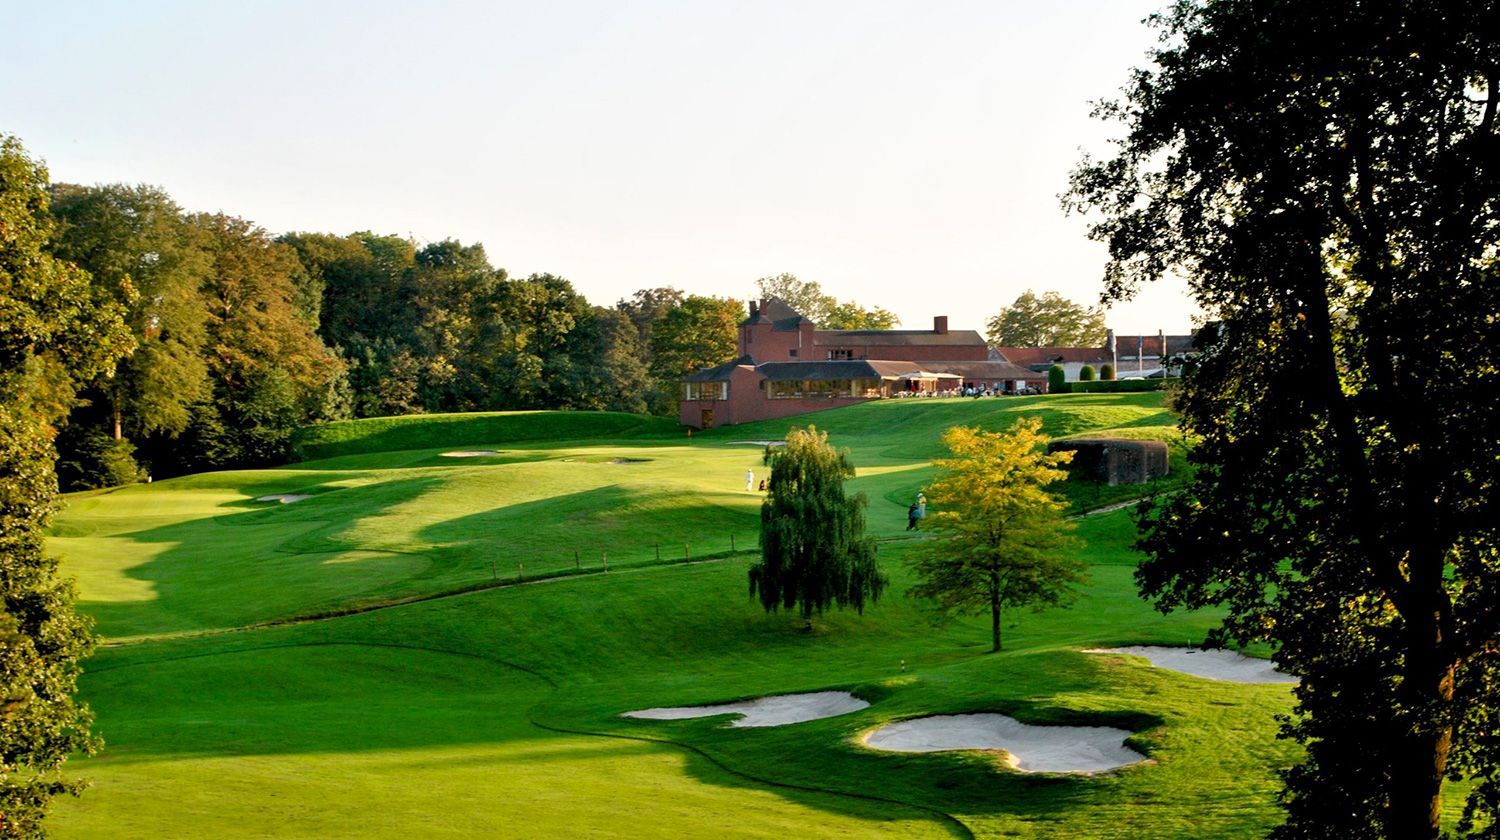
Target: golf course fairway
x=443, y=647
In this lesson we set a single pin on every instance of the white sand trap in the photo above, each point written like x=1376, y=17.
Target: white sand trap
x=471, y=453
x=284, y=498
x=766, y=711
x=1030, y=749
x=757, y=443
x=1225, y=665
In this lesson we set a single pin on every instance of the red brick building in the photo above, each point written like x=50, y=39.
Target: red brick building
x=787, y=366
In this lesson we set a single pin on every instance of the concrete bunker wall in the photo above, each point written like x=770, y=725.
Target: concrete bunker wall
x=1116, y=460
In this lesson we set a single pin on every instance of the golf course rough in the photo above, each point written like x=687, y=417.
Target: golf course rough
x=478, y=710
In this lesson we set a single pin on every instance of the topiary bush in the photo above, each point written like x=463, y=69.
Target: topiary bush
x=1057, y=380
x=1107, y=372
x=1086, y=373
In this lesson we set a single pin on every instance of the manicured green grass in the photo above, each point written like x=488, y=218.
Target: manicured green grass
x=496, y=712
x=423, y=431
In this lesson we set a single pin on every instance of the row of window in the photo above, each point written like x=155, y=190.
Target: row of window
x=830, y=389
x=705, y=390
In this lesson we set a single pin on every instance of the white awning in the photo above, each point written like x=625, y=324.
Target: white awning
x=920, y=375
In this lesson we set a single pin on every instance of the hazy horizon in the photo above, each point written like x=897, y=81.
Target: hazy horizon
x=900, y=154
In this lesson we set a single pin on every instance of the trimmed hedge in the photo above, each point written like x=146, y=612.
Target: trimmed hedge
x=1119, y=385
x=1057, y=380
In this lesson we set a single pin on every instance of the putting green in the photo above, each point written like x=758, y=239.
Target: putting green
x=496, y=711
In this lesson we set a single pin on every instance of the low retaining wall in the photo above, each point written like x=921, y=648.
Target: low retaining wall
x=1116, y=460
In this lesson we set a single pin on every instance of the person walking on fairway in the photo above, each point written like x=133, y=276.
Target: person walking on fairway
x=911, y=517
x=749, y=481
x=921, y=505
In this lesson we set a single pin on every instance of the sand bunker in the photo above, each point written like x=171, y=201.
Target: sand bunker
x=284, y=498
x=766, y=711
x=1225, y=665
x=757, y=443
x=1031, y=749
x=471, y=453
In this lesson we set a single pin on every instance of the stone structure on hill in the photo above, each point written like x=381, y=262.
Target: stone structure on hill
x=1115, y=460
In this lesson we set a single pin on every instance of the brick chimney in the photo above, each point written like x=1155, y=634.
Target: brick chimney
x=940, y=324
x=754, y=308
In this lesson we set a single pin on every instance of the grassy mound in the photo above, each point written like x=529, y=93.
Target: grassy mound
x=427, y=431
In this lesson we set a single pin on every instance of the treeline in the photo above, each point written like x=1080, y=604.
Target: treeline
x=240, y=337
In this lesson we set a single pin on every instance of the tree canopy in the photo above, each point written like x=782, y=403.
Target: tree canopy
x=58, y=331
x=829, y=313
x=1001, y=539
x=814, y=552
x=1050, y=320
x=1327, y=177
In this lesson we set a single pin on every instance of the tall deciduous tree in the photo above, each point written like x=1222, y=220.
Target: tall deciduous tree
x=700, y=333
x=56, y=332
x=829, y=313
x=137, y=247
x=814, y=552
x=270, y=372
x=1327, y=177
x=1001, y=540
x=1050, y=320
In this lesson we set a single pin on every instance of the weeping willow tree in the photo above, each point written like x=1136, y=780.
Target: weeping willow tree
x=814, y=552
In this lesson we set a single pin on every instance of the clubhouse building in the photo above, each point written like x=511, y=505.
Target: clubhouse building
x=787, y=366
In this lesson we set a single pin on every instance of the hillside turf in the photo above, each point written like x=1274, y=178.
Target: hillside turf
x=374, y=661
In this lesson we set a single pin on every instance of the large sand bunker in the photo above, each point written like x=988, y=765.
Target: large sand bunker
x=766, y=711
x=284, y=498
x=1030, y=749
x=1225, y=665
x=471, y=453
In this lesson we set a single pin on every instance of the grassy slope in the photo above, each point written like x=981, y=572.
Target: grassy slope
x=460, y=716
x=424, y=431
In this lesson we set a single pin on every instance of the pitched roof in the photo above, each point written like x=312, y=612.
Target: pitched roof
x=1026, y=356
x=898, y=338
x=719, y=373
x=991, y=371
x=843, y=369
x=782, y=316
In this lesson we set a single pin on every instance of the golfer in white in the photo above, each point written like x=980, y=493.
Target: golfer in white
x=749, y=481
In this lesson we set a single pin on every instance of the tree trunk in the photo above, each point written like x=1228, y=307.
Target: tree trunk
x=1416, y=785
x=995, y=618
x=117, y=422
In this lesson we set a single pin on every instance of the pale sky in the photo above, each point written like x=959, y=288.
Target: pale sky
x=904, y=154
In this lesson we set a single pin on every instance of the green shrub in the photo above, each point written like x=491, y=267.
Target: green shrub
x=92, y=459
x=1107, y=373
x=1114, y=386
x=1057, y=380
x=1086, y=373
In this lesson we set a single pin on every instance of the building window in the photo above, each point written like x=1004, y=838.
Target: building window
x=840, y=355
x=792, y=353
x=705, y=391
x=791, y=390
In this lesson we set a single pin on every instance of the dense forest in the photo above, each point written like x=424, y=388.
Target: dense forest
x=240, y=336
